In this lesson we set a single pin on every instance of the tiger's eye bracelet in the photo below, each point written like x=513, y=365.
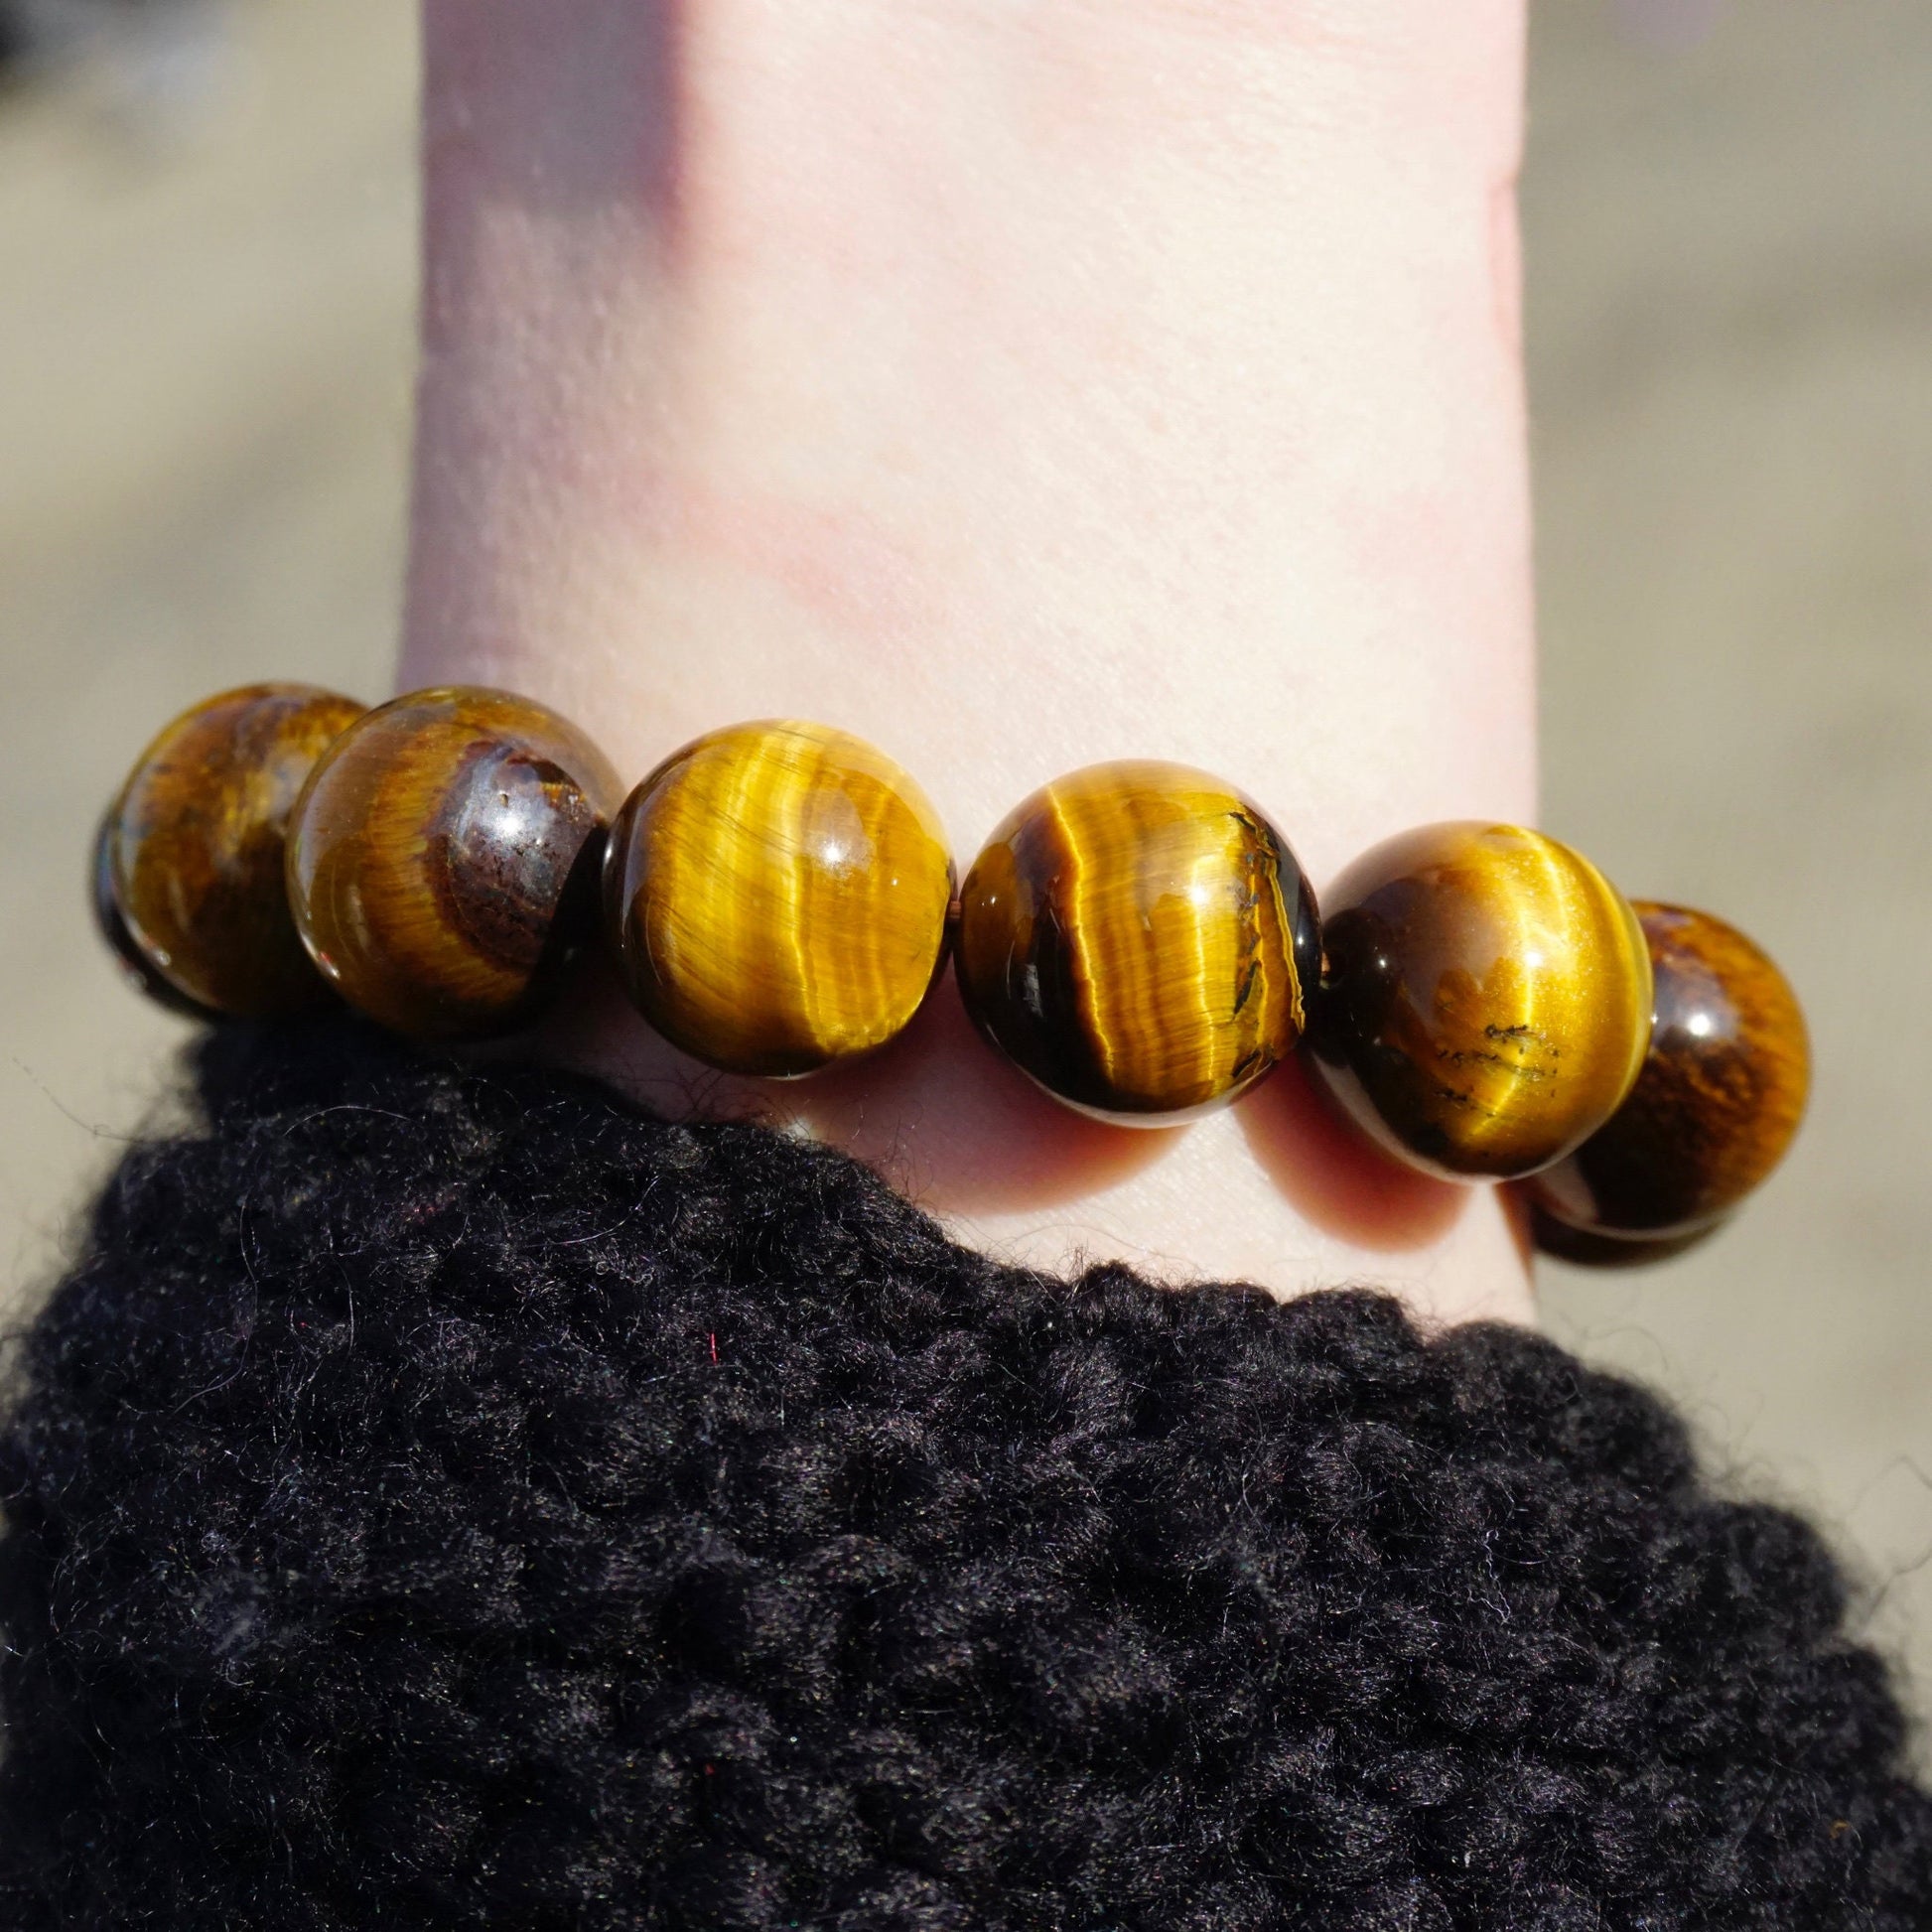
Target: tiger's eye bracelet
x=1137, y=937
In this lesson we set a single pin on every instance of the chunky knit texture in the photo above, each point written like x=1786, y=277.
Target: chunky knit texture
x=452, y=1499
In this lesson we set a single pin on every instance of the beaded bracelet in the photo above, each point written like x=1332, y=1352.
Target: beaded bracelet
x=1137, y=937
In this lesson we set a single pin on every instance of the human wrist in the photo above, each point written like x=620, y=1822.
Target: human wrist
x=1014, y=418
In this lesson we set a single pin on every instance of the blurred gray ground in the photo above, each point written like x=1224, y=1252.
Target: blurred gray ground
x=205, y=357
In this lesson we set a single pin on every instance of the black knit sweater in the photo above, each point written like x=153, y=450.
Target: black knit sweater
x=454, y=1499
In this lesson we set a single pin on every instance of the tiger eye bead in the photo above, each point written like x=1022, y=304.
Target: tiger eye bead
x=776, y=897
x=188, y=864
x=1486, y=1001
x=1718, y=1101
x=442, y=860
x=1140, y=940
x=139, y=970
x=1606, y=1251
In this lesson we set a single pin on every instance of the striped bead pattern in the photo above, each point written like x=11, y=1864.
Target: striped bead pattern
x=1486, y=1005
x=1140, y=939
x=187, y=865
x=776, y=895
x=1136, y=937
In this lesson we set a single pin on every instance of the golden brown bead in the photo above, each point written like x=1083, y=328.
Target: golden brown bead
x=1486, y=1002
x=140, y=970
x=1140, y=939
x=776, y=895
x=443, y=859
x=1719, y=1098
x=187, y=865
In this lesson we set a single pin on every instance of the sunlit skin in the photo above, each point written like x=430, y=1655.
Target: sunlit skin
x=1018, y=388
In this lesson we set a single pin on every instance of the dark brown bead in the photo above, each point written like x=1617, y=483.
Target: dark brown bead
x=1140, y=939
x=443, y=859
x=1486, y=1001
x=1719, y=1098
x=188, y=866
x=1611, y=1251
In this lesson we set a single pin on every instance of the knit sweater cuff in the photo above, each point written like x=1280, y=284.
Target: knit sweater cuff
x=445, y=1497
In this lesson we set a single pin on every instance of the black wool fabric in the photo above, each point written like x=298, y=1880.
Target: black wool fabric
x=450, y=1499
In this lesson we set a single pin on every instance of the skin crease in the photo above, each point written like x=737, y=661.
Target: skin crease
x=1017, y=383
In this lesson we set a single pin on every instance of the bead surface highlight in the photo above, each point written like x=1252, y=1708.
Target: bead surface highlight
x=1486, y=1002
x=1718, y=1101
x=1139, y=939
x=136, y=967
x=441, y=860
x=187, y=865
x=776, y=895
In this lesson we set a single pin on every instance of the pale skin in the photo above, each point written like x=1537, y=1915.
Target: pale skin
x=1019, y=384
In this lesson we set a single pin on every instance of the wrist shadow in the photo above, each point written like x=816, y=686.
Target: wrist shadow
x=1336, y=1179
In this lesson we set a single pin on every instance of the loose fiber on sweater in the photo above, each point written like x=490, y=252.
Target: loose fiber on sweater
x=447, y=1500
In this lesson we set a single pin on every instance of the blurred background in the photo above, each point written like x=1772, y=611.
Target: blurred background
x=207, y=217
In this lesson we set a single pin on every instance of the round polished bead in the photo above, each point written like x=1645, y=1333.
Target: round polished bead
x=776, y=895
x=442, y=862
x=1605, y=1251
x=1719, y=1098
x=188, y=864
x=1140, y=939
x=139, y=970
x=1486, y=1001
